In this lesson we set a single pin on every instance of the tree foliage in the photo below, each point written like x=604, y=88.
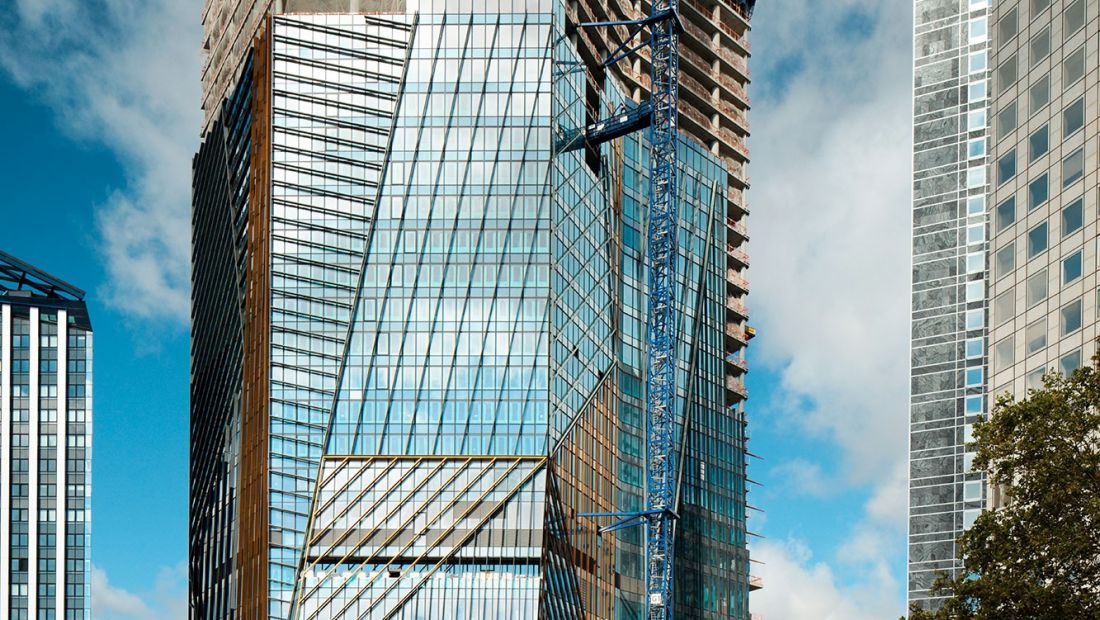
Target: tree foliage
x=1037, y=557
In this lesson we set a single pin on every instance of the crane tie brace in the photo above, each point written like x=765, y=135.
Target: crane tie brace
x=662, y=252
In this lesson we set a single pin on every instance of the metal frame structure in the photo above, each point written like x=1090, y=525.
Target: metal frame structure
x=662, y=252
x=661, y=115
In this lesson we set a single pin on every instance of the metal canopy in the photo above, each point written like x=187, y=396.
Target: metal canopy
x=16, y=276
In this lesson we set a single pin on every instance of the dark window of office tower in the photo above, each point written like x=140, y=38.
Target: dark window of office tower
x=1008, y=26
x=1038, y=143
x=1071, y=267
x=1073, y=167
x=1037, y=240
x=1073, y=217
x=1007, y=73
x=1071, y=317
x=1006, y=213
x=1074, y=18
x=1073, y=68
x=1006, y=167
x=1074, y=117
x=1037, y=192
x=1006, y=120
x=1040, y=46
x=1039, y=94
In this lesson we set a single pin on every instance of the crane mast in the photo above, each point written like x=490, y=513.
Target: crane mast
x=661, y=314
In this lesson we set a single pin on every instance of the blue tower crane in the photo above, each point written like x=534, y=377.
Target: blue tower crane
x=661, y=115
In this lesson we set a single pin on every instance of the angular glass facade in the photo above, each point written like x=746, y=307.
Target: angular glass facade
x=440, y=343
x=45, y=446
x=950, y=279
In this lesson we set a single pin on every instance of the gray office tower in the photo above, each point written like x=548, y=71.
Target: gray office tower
x=1004, y=236
x=45, y=445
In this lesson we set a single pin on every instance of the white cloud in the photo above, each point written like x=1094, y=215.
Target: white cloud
x=798, y=587
x=803, y=477
x=125, y=74
x=166, y=600
x=830, y=230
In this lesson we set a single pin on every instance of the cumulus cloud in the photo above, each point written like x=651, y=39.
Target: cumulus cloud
x=797, y=586
x=830, y=243
x=166, y=600
x=124, y=74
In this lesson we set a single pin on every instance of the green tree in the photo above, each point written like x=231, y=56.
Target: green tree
x=1038, y=556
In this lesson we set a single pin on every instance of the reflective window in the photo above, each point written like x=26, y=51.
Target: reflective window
x=1037, y=240
x=974, y=376
x=1035, y=337
x=975, y=319
x=1071, y=267
x=975, y=233
x=1037, y=192
x=976, y=91
x=1007, y=73
x=1073, y=217
x=975, y=120
x=1039, y=94
x=1005, y=260
x=1074, y=117
x=1004, y=354
x=1071, y=317
x=1038, y=143
x=1007, y=26
x=1073, y=19
x=1004, y=307
x=975, y=177
x=975, y=347
x=976, y=148
x=1036, y=288
x=978, y=61
x=1006, y=213
x=1038, y=6
x=1006, y=120
x=1070, y=362
x=1073, y=68
x=979, y=30
x=1006, y=167
x=1073, y=167
x=975, y=205
x=1040, y=46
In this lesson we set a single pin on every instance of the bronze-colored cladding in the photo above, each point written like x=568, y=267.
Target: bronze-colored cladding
x=583, y=479
x=252, y=550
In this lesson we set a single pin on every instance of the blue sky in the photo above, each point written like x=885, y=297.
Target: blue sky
x=104, y=119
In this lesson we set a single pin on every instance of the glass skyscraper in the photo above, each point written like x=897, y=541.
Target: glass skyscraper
x=418, y=322
x=45, y=445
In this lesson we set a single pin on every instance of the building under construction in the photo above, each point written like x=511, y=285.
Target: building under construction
x=419, y=381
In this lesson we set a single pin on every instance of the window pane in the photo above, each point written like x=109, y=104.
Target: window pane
x=1073, y=217
x=979, y=30
x=975, y=177
x=975, y=205
x=976, y=91
x=1036, y=336
x=1006, y=260
x=1074, y=117
x=1040, y=94
x=1006, y=167
x=1074, y=19
x=975, y=234
x=1036, y=288
x=1073, y=167
x=1074, y=67
x=1071, y=267
x=974, y=376
x=1006, y=213
x=975, y=120
x=1006, y=120
x=1004, y=354
x=1037, y=192
x=1071, y=317
x=1006, y=27
x=1039, y=143
x=1034, y=379
x=975, y=347
x=976, y=148
x=978, y=61
x=1007, y=73
x=1040, y=46
x=1070, y=362
x=1004, y=307
x=975, y=291
x=1037, y=240
x=1038, y=6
